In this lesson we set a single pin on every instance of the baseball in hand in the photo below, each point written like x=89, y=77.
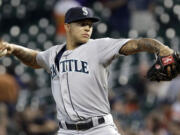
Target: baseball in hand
x=3, y=53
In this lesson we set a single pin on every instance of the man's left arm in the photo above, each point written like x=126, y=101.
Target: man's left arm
x=145, y=45
x=167, y=64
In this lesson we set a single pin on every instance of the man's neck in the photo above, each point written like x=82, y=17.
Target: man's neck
x=72, y=46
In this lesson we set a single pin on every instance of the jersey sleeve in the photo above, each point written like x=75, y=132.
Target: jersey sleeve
x=108, y=49
x=42, y=59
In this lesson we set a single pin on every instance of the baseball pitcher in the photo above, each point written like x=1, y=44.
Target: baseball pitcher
x=79, y=72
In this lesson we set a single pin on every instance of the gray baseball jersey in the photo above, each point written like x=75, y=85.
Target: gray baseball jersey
x=80, y=87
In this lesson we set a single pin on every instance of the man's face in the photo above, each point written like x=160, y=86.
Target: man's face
x=80, y=31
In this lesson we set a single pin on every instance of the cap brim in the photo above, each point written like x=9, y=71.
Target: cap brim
x=93, y=19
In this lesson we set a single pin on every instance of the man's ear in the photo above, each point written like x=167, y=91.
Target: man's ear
x=67, y=27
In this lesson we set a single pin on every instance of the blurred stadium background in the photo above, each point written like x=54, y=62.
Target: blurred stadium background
x=139, y=107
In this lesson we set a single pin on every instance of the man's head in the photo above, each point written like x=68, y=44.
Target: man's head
x=78, y=24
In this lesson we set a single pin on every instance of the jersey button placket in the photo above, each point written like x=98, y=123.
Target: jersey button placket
x=63, y=85
x=65, y=93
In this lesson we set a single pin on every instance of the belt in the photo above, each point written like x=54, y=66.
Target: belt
x=82, y=126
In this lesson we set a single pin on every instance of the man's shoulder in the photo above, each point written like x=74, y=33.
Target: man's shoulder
x=108, y=40
x=56, y=47
x=99, y=40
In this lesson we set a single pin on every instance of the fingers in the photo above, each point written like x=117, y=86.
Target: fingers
x=2, y=45
x=3, y=53
x=173, y=67
x=174, y=70
x=169, y=71
x=3, y=48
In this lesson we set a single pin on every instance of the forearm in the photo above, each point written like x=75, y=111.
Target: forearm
x=27, y=56
x=145, y=45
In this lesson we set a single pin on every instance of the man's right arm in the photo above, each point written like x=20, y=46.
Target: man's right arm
x=27, y=56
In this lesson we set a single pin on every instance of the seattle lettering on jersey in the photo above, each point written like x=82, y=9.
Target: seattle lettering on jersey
x=71, y=65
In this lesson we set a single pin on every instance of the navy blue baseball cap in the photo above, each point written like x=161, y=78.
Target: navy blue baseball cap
x=79, y=13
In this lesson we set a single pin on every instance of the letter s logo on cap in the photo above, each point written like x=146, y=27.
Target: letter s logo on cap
x=85, y=11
